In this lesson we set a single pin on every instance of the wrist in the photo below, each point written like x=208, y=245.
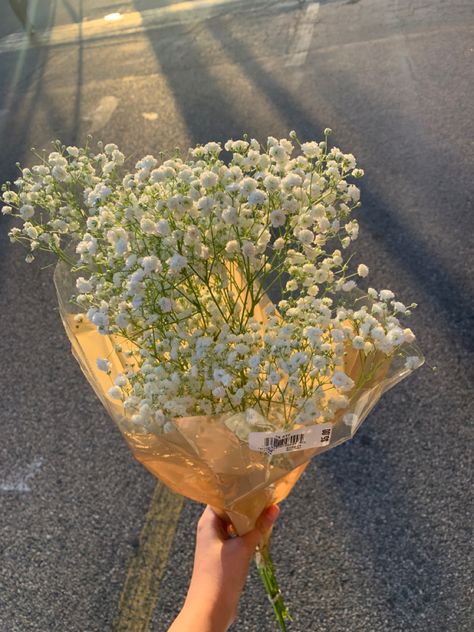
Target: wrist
x=216, y=612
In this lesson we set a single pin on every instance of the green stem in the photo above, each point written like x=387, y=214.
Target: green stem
x=266, y=570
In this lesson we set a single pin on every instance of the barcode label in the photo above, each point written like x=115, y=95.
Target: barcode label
x=301, y=439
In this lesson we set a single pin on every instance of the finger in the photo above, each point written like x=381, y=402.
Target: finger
x=223, y=525
x=211, y=525
x=263, y=525
x=267, y=519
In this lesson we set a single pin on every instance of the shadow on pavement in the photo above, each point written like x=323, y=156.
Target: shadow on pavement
x=419, y=259
x=410, y=572
x=24, y=89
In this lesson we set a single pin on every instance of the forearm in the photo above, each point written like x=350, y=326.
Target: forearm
x=221, y=565
x=199, y=616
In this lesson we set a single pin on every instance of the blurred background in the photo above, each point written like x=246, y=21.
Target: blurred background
x=377, y=535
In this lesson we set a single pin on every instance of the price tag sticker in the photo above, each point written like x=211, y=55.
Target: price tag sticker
x=292, y=440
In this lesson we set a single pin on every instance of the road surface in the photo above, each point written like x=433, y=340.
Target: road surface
x=376, y=537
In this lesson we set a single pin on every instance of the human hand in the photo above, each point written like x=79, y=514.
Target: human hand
x=221, y=565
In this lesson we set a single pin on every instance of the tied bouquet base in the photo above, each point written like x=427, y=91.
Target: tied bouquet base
x=207, y=458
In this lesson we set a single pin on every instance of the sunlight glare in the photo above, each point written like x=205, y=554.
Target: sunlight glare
x=113, y=17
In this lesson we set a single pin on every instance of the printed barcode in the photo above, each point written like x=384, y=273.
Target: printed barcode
x=282, y=442
x=304, y=438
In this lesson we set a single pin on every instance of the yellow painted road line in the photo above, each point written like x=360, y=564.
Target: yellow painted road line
x=142, y=582
x=128, y=23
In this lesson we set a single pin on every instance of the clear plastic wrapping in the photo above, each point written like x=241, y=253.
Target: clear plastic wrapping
x=208, y=458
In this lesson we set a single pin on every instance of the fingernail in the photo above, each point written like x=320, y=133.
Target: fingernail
x=273, y=512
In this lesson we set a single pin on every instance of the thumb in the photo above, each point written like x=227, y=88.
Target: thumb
x=264, y=523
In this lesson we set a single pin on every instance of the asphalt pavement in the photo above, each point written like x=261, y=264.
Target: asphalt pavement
x=377, y=535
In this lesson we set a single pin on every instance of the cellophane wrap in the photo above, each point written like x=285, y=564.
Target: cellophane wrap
x=207, y=458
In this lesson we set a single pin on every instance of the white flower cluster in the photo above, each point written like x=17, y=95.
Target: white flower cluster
x=154, y=254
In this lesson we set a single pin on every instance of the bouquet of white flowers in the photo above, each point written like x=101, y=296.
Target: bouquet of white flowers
x=164, y=281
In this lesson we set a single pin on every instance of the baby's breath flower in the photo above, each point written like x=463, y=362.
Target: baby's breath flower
x=386, y=295
x=177, y=262
x=350, y=419
x=147, y=225
x=412, y=363
x=165, y=304
x=248, y=249
x=277, y=218
x=115, y=392
x=157, y=251
x=348, y=286
x=305, y=236
x=103, y=365
x=163, y=228
x=358, y=342
x=408, y=336
x=229, y=215
x=271, y=183
x=232, y=247
x=396, y=336
x=26, y=211
x=342, y=381
x=120, y=380
x=83, y=285
x=311, y=150
x=278, y=153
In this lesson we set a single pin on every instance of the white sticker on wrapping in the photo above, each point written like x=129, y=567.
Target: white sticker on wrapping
x=302, y=439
